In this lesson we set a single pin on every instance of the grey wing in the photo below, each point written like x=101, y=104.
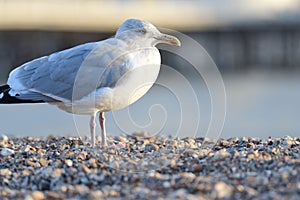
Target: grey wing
x=53, y=78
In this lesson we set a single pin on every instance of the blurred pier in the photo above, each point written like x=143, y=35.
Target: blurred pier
x=231, y=49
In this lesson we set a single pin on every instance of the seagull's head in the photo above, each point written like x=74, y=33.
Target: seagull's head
x=145, y=31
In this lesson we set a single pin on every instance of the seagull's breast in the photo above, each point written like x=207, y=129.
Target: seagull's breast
x=141, y=71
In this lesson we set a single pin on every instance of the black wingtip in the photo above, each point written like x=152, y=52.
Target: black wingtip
x=4, y=88
x=6, y=98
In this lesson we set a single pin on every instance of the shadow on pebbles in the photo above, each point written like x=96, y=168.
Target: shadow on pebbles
x=136, y=167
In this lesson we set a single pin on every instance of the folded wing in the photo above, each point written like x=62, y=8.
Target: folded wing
x=53, y=78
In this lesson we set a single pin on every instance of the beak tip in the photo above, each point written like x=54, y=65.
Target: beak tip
x=176, y=42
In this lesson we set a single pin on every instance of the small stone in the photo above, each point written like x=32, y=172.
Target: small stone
x=28, y=148
x=3, y=139
x=244, y=140
x=193, y=146
x=82, y=156
x=114, y=193
x=69, y=154
x=81, y=189
x=83, y=179
x=56, y=173
x=95, y=195
x=63, y=188
x=54, y=195
x=120, y=139
x=43, y=162
x=275, y=150
x=6, y=152
x=223, y=190
x=69, y=188
x=234, y=140
x=65, y=146
x=166, y=184
x=151, y=147
x=211, y=154
x=5, y=172
x=116, y=187
x=138, y=138
x=285, y=175
x=25, y=172
x=28, y=197
x=69, y=163
x=287, y=141
x=172, y=163
x=37, y=195
x=250, y=145
x=240, y=188
x=251, y=191
x=270, y=142
x=197, y=168
x=141, y=192
x=116, y=165
x=92, y=162
x=86, y=169
x=178, y=194
x=151, y=139
x=121, y=145
x=187, y=175
x=224, y=143
x=221, y=154
x=30, y=163
x=251, y=156
x=165, y=151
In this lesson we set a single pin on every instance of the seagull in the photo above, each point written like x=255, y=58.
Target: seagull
x=95, y=77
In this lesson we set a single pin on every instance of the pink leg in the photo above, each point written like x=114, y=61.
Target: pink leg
x=93, y=127
x=103, y=131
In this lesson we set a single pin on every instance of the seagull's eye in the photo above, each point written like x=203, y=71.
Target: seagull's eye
x=143, y=31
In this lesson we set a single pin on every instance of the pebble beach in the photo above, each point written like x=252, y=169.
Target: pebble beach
x=138, y=167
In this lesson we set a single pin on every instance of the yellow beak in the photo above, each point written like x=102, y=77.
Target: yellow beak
x=168, y=39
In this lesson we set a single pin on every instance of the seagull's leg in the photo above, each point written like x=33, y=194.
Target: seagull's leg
x=93, y=127
x=103, y=131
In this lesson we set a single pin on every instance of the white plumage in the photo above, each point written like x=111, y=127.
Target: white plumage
x=94, y=77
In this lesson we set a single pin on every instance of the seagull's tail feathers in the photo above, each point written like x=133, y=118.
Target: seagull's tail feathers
x=6, y=98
